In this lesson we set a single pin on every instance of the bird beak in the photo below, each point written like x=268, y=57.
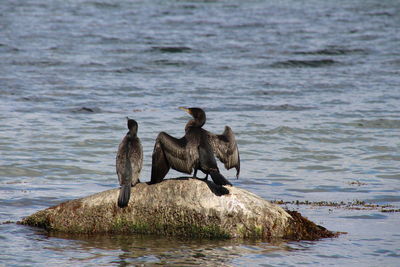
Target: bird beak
x=185, y=109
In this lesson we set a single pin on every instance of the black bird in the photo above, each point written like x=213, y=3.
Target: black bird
x=195, y=151
x=129, y=162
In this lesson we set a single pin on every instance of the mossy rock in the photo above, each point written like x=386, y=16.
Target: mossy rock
x=181, y=207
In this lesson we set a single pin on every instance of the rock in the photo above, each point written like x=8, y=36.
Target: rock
x=183, y=207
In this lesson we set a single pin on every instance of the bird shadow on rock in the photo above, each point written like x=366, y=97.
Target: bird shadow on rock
x=218, y=190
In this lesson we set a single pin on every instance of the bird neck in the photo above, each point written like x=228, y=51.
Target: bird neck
x=195, y=123
x=131, y=134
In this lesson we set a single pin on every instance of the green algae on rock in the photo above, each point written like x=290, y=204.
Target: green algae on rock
x=182, y=207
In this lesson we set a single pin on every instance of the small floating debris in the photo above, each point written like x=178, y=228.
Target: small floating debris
x=358, y=183
x=353, y=205
x=390, y=210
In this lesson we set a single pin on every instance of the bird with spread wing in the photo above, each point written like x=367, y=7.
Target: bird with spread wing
x=195, y=151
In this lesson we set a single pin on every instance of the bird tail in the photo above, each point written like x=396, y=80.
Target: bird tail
x=219, y=179
x=124, y=195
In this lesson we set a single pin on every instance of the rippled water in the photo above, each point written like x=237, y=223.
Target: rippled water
x=311, y=89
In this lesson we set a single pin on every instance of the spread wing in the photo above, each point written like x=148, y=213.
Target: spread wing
x=225, y=148
x=170, y=152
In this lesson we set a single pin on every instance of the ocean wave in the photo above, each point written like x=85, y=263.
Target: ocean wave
x=244, y=107
x=275, y=92
x=382, y=13
x=85, y=110
x=174, y=63
x=388, y=157
x=171, y=49
x=36, y=99
x=314, y=63
x=287, y=107
x=333, y=51
x=38, y=63
x=378, y=123
x=104, y=5
x=7, y=48
x=374, y=216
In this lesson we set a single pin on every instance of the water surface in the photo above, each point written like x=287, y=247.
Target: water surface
x=310, y=88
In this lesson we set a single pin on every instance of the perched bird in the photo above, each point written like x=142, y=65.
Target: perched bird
x=195, y=151
x=129, y=162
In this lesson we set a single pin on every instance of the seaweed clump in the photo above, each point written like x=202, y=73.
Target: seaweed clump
x=303, y=229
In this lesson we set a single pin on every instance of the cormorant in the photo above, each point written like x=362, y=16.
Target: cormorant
x=129, y=162
x=195, y=151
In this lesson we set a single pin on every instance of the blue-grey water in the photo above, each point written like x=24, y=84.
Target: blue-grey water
x=310, y=88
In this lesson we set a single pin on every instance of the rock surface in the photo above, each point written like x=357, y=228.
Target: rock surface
x=181, y=207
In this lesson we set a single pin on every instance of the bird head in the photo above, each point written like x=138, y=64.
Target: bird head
x=132, y=126
x=197, y=113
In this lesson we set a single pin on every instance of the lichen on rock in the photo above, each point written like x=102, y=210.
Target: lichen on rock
x=182, y=207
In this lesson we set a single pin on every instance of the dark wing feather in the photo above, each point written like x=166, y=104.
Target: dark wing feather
x=170, y=152
x=129, y=160
x=225, y=148
x=159, y=164
x=123, y=167
x=136, y=159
